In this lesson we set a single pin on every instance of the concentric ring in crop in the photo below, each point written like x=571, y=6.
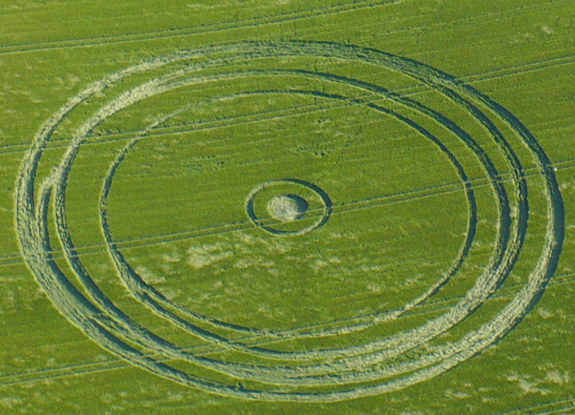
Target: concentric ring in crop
x=380, y=365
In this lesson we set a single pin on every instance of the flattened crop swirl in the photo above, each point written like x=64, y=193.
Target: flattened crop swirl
x=321, y=375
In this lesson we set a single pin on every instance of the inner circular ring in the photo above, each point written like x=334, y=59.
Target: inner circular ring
x=322, y=220
x=157, y=302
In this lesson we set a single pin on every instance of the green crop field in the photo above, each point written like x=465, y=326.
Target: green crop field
x=287, y=207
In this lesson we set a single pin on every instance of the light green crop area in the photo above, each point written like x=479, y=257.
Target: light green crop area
x=287, y=207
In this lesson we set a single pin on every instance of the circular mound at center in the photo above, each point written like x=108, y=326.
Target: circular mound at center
x=287, y=208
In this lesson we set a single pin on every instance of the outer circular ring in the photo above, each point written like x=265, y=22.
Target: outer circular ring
x=92, y=315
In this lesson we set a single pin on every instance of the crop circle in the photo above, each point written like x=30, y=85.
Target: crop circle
x=382, y=364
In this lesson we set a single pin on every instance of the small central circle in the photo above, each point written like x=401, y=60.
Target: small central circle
x=287, y=208
x=298, y=206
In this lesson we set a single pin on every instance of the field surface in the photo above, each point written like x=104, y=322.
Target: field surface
x=287, y=207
